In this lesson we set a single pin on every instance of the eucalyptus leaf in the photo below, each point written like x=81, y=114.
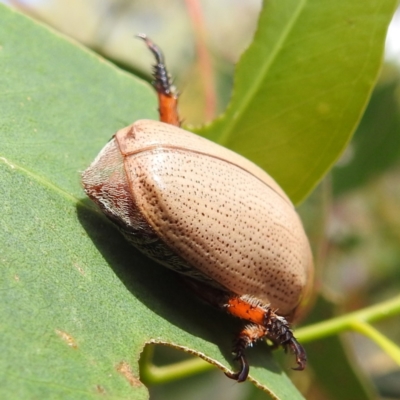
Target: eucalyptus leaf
x=302, y=86
x=376, y=144
x=78, y=302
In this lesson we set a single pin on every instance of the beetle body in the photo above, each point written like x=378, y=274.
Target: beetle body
x=211, y=215
x=226, y=220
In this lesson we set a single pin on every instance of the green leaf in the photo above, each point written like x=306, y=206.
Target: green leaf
x=78, y=303
x=375, y=145
x=302, y=85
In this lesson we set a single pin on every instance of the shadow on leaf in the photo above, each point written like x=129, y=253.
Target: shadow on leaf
x=163, y=292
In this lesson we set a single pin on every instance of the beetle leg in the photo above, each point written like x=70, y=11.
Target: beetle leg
x=298, y=350
x=167, y=94
x=265, y=323
x=249, y=335
x=280, y=333
x=242, y=374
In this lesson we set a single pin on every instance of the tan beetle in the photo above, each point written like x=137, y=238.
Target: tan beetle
x=211, y=215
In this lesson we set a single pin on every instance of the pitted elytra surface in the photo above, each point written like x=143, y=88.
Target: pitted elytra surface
x=226, y=217
x=147, y=134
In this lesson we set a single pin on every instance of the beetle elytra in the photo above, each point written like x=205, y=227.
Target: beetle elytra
x=211, y=215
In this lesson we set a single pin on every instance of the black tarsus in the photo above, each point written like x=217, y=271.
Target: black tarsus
x=162, y=79
x=299, y=352
x=241, y=343
x=243, y=372
x=153, y=47
x=281, y=334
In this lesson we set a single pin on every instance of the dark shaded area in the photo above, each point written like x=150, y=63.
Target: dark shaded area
x=389, y=384
x=162, y=290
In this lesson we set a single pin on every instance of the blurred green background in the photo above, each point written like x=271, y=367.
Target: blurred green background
x=353, y=216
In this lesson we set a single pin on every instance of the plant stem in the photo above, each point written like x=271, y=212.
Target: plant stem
x=336, y=325
x=356, y=321
x=154, y=375
x=386, y=344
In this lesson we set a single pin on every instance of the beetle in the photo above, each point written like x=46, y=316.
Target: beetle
x=211, y=215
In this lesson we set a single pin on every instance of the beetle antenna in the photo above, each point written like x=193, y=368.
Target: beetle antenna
x=167, y=94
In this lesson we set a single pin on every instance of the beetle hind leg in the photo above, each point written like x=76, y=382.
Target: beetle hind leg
x=280, y=333
x=299, y=352
x=242, y=374
x=276, y=329
x=249, y=335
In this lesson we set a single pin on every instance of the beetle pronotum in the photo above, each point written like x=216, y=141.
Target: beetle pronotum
x=211, y=215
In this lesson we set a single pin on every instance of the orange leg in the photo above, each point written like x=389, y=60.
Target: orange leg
x=249, y=335
x=265, y=323
x=167, y=94
x=278, y=331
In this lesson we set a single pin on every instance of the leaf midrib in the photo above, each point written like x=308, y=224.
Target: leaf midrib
x=44, y=182
x=246, y=99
